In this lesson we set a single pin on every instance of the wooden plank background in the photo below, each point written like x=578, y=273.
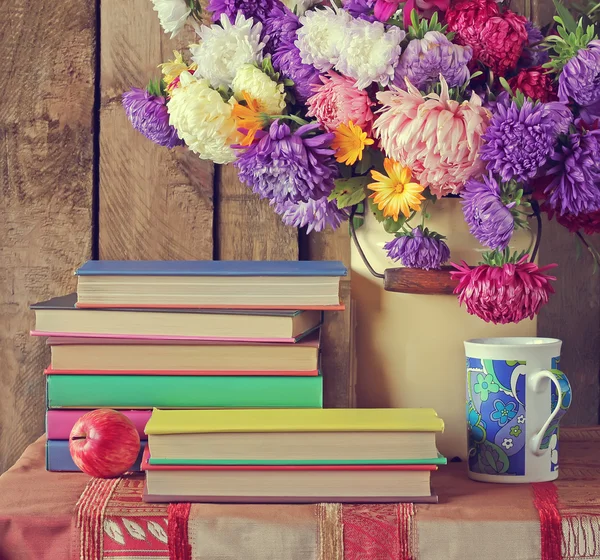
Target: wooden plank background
x=46, y=178
x=78, y=182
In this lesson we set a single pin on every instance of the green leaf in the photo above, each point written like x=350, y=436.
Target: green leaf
x=348, y=192
x=156, y=88
x=391, y=226
x=506, y=86
x=567, y=19
x=374, y=209
x=365, y=164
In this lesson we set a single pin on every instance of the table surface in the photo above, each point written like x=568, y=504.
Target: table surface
x=40, y=503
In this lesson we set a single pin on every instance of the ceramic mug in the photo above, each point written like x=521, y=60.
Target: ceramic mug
x=516, y=397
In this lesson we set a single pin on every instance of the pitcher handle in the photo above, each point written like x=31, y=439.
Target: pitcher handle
x=536, y=381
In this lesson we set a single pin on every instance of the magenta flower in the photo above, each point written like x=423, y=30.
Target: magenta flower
x=503, y=294
x=385, y=9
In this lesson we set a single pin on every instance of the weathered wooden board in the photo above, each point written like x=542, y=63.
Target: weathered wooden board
x=154, y=203
x=46, y=139
x=247, y=228
x=573, y=315
x=338, y=361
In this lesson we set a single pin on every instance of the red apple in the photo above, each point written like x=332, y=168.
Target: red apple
x=104, y=443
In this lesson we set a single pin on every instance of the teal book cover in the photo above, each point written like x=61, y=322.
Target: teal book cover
x=162, y=391
x=439, y=460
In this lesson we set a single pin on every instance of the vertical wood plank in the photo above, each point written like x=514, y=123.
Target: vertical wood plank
x=154, y=203
x=573, y=315
x=46, y=138
x=247, y=227
x=337, y=358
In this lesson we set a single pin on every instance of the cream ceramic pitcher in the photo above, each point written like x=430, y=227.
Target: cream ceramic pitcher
x=409, y=348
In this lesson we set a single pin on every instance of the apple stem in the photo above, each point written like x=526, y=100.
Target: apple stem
x=78, y=437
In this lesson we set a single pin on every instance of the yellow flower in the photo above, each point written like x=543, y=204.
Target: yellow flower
x=172, y=69
x=251, y=117
x=349, y=143
x=395, y=193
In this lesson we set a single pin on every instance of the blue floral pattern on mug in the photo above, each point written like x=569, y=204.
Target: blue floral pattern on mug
x=496, y=416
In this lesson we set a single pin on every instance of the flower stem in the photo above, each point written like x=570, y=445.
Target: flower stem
x=538, y=239
x=359, y=248
x=593, y=251
x=294, y=118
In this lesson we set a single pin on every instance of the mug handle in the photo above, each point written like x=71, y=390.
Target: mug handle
x=536, y=381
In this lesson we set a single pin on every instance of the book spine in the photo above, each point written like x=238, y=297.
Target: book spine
x=58, y=457
x=124, y=391
x=59, y=423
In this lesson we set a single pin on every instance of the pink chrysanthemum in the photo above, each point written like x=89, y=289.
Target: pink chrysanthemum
x=437, y=137
x=506, y=294
x=337, y=101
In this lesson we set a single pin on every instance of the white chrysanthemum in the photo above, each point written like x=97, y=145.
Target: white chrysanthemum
x=203, y=120
x=320, y=37
x=269, y=94
x=227, y=47
x=300, y=6
x=172, y=14
x=369, y=53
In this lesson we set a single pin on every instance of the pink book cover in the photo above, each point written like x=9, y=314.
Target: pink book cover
x=340, y=307
x=146, y=337
x=59, y=423
x=311, y=340
x=161, y=499
x=209, y=373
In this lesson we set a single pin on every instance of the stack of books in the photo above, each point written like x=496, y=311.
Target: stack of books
x=140, y=335
x=292, y=456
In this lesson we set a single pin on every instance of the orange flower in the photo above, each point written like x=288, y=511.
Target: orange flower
x=395, y=193
x=349, y=143
x=250, y=117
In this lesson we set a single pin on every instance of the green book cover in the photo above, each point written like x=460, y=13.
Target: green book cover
x=162, y=391
x=439, y=460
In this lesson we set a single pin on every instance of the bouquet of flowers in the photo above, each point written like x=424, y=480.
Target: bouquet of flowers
x=327, y=106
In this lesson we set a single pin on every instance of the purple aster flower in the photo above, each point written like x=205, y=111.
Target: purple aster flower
x=423, y=60
x=148, y=115
x=590, y=115
x=316, y=214
x=533, y=55
x=362, y=9
x=490, y=220
x=418, y=249
x=575, y=185
x=280, y=25
x=287, y=60
x=257, y=9
x=518, y=141
x=580, y=77
x=289, y=166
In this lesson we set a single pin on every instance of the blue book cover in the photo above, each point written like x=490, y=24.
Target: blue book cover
x=58, y=457
x=212, y=268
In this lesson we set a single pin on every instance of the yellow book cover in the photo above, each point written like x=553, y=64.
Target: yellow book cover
x=294, y=420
